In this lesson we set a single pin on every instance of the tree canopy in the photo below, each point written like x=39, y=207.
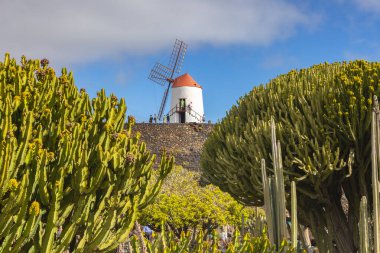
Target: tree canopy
x=323, y=121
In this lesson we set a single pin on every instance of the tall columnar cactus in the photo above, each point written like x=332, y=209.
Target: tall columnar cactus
x=274, y=197
x=375, y=156
x=365, y=235
x=71, y=175
x=363, y=226
x=294, y=219
x=274, y=194
x=323, y=117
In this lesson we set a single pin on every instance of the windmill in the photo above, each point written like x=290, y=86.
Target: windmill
x=163, y=75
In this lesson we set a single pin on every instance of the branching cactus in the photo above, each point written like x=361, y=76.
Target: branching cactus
x=323, y=122
x=72, y=176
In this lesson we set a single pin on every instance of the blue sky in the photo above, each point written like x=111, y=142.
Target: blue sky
x=233, y=45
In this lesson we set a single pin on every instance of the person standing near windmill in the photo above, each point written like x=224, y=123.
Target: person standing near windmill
x=182, y=104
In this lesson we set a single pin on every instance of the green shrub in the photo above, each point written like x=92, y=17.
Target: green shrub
x=183, y=204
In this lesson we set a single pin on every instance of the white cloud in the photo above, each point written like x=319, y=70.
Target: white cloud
x=370, y=5
x=81, y=31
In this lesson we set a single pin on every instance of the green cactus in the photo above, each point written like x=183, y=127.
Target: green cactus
x=166, y=243
x=375, y=158
x=72, y=176
x=257, y=224
x=294, y=219
x=274, y=194
x=274, y=198
x=323, y=117
x=365, y=233
x=363, y=226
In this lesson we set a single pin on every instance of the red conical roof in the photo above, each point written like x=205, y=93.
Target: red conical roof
x=185, y=80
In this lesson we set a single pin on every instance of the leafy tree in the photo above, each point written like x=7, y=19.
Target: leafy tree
x=323, y=117
x=183, y=204
x=72, y=175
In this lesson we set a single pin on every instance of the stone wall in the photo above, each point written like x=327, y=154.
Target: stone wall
x=184, y=141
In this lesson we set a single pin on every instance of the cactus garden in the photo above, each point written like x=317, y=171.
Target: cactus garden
x=304, y=147
x=74, y=178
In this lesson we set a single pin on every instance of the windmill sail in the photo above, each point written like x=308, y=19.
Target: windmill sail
x=178, y=55
x=163, y=103
x=162, y=75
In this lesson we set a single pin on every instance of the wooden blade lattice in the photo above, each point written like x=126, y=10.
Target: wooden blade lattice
x=162, y=75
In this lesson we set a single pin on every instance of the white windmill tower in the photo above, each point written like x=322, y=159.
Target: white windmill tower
x=187, y=100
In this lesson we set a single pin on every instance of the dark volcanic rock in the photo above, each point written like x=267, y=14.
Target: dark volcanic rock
x=184, y=141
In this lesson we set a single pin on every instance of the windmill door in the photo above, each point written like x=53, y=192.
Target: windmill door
x=182, y=110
